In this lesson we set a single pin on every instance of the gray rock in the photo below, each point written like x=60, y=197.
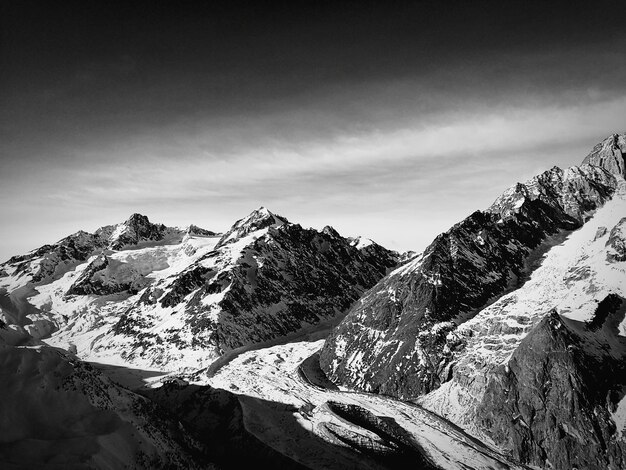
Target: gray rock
x=617, y=243
x=600, y=233
x=552, y=407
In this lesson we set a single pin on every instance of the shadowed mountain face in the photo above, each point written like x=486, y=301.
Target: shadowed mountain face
x=216, y=420
x=58, y=413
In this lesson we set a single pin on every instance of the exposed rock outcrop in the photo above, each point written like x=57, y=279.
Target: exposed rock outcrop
x=617, y=243
x=104, y=276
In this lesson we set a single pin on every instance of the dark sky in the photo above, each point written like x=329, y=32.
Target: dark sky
x=157, y=60
x=355, y=114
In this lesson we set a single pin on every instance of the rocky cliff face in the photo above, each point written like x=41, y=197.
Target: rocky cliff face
x=52, y=261
x=393, y=340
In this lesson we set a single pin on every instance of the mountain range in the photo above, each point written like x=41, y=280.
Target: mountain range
x=505, y=338
x=151, y=296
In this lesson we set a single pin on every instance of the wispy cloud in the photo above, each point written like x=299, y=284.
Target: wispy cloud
x=426, y=174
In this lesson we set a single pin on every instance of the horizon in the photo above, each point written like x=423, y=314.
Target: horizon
x=289, y=220
x=388, y=122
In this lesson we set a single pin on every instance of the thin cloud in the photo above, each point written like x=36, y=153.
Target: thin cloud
x=444, y=170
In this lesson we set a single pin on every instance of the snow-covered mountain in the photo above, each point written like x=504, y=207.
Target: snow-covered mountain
x=176, y=299
x=502, y=345
x=511, y=324
x=541, y=370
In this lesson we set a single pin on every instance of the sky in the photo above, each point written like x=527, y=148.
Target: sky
x=391, y=120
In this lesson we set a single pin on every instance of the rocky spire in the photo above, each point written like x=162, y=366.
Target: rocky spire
x=610, y=154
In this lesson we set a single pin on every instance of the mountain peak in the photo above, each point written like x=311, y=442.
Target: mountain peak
x=260, y=215
x=610, y=154
x=137, y=218
x=328, y=230
x=195, y=230
x=135, y=229
x=258, y=219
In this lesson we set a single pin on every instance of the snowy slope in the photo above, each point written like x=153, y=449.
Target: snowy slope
x=85, y=323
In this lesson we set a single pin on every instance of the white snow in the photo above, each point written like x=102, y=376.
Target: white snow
x=361, y=242
x=619, y=418
x=119, y=231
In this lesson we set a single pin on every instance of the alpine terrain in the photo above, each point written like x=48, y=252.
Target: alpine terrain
x=512, y=323
x=501, y=346
x=172, y=298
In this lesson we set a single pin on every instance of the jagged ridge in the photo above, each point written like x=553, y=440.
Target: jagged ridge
x=393, y=340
